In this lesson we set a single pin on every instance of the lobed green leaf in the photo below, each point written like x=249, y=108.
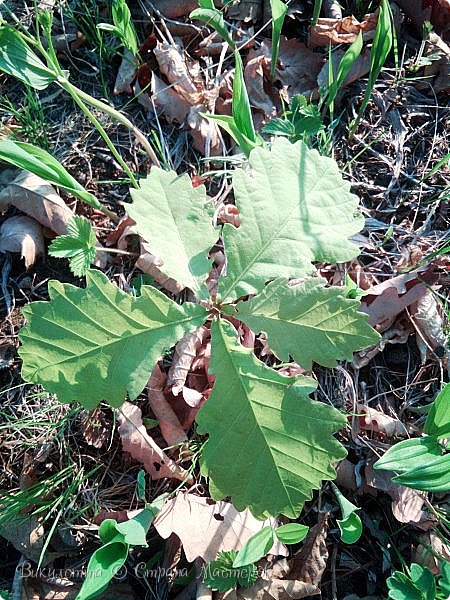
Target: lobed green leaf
x=295, y=208
x=269, y=444
x=308, y=322
x=99, y=343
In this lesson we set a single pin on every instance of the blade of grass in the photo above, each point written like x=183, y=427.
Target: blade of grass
x=279, y=10
x=317, y=9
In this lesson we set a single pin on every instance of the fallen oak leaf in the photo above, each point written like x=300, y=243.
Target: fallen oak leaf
x=22, y=235
x=206, y=527
x=125, y=74
x=309, y=563
x=185, y=353
x=143, y=447
x=341, y=31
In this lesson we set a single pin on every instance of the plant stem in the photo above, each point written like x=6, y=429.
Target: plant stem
x=114, y=114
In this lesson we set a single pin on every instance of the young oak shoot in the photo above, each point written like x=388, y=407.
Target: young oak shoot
x=99, y=343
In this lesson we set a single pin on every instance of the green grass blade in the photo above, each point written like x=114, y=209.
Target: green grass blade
x=279, y=10
x=41, y=163
x=18, y=60
x=345, y=65
x=242, y=112
x=317, y=9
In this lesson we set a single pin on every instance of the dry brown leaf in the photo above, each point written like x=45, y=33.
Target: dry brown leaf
x=177, y=71
x=274, y=584
x=340, y=31
x=430, y=548
x=176, y=8
x=429, y=322
x=359, y=68
x=95, y=428
x=258, y=65
x=378, y=422
x=126, y=73
x=149, y=264
x=439, y=69
x=22, y=235
x=168, y=101
x=26, y=535
x=38, y=199
x=143, y=447
x=185, y=353
x=205, y=133
x=407, y=504
x=383, y=302
x=309, y=563
x=246, y=11
x=206, y=527
x=169, y=424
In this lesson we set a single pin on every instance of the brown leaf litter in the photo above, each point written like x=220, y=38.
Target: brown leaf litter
x=143, y=447
x=22, y=235
x=206, y=527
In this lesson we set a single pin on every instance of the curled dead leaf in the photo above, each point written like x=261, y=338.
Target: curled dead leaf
x=38, y=199
x=22, y=235
x=125, y=74
x=378, y=422
x=169, y=424
x=185, y=353
x=143, y=447
x=429, y=323
x=341, y=31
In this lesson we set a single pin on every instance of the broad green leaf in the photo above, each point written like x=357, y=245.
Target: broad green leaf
x=401, y=587
x=308, y=321
x=409, y=454
x=444, y=581
x=78, y=245
x=295, y=208
x=269, y=444
x=18, y=60
x=103, y=566
x=279, y=10
x=438, y=420
x=350, y=525
x=41, y=163
x=291, y=533
x=433, y=476
x=220, y=574
x=172, y=217
x=257, y=546
x=98, y=343
x=424, y=579
x=135, y=530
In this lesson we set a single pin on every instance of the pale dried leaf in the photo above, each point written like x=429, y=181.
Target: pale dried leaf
x=169, y=424
x=378, y=422
x=257, y=66
x=309, y=563
x=143, y=447
x=185, y=353
x=430, y=325
x=126, y=73
x=149, y=264
x=440, y=69
x=430, y=551
x=206, y=527
x=22, y=235
x=205, y=133
x=26, y=535
x=38, y=199
x=246, y=11
x=340, y=31
x=407, y=504
x=95, y=428
x=173, y=65
x=167, y=101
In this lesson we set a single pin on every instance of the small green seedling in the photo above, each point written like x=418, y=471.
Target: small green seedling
x=350, y=525
x=240, y=125
x=301, y=122
x=419, y=583
x=117, y=539
x=123, y=26
x=220, y=575
x=424, y=463
x=78, y=245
